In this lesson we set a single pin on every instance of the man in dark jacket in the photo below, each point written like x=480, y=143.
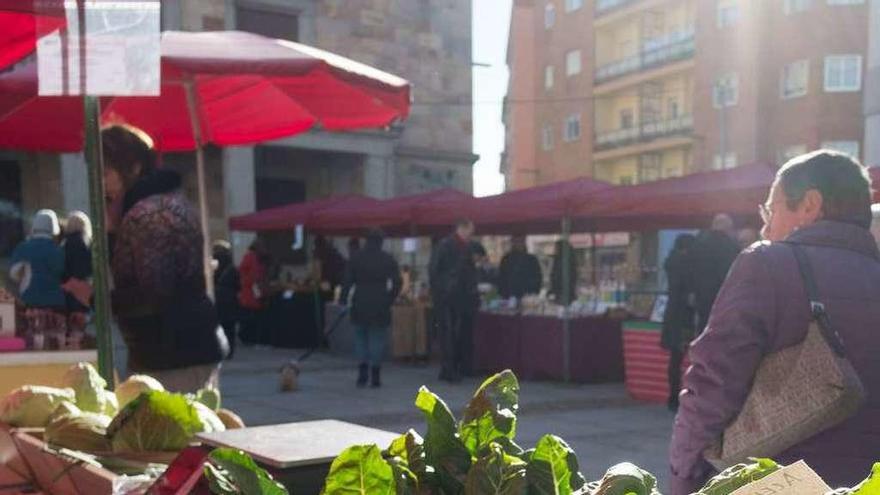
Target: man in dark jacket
x=454, y=290
x=376, y=278
x=520, y=272
x=711, y=258
x=226, y=288
x=820, y=202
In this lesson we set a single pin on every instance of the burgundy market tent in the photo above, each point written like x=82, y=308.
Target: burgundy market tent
x=288, y=216
x=402, y=216
x=682, y=202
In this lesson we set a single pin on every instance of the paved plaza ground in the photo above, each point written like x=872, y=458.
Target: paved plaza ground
x=601, y=422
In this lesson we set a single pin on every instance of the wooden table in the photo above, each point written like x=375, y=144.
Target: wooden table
x=299, y=454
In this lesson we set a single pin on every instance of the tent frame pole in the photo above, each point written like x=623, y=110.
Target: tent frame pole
x=566, y=298
x=202, y=188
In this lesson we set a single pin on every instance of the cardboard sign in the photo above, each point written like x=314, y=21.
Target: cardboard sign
x=797, y=479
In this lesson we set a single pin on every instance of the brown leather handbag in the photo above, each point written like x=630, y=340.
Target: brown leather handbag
x=797, y=392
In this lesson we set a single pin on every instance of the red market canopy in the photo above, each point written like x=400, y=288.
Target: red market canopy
x=289, y=216
x=874, y=172
x=23, y=23
x=246, y=89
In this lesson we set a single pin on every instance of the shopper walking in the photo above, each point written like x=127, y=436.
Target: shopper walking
x=678, y=319
x=520, y=272
x=226, y=288
x=711, y=258
x=77, y=271
x=253, y=293
x=375, y=278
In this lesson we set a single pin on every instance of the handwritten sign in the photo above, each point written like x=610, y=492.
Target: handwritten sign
x=797, y=479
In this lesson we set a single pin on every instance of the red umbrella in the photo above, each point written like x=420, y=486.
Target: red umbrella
x=288, y=216
x=23, y=23
x=875, y=180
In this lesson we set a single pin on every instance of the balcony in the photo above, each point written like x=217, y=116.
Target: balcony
x=605, y=6
x=645, y=132
x=655, y=53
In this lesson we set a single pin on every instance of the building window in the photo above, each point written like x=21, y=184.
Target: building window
x=572, y=5
x=795, y=6
x=729, y=161
x=547, y=138
x=725, y=93
x=572, y=131
x=795, y=77
x=846, y=2
x=650, y=167
x=626, y=118
x=674, y=110
x=549, y=16
x=625, y=180
x=791, y=152
x=843, y=73
x=573, y=63
x=548, y=77
x=274, y=23
x=727, y=13
x=851, y=148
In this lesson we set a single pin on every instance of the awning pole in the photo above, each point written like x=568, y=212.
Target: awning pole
x=566, y=297
x=203, y=193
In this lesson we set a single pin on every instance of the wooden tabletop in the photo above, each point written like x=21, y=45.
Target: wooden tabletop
x=298, y=444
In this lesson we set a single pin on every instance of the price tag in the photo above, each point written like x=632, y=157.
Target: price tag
x=796, y=479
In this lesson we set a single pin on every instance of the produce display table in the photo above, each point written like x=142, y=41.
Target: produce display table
x=646, y=362
x=534, y=347
x=38, y=367
x=299, y=454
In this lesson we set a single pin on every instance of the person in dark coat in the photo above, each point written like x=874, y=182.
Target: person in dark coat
x=77, y=269
x=678, y=319
x=556, y=274
x=159, y=298
x=822, y=203
x=375, y=277
x=520, y=272
x=226, y=287
x=711, y=258
x=453, y=279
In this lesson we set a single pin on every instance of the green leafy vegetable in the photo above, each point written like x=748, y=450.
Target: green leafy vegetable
x=32, y=405
x=497, y=474
x=90, y=389
x=627, y=479
x=491, y=413
x=232, y=472
x=871, y=486
x=155, y=421
x=130, y=389
x=83, y=431
x=209, y=397
x=553, y=468
x=210, y=421
x=444, y=449
x=360, y=470
x=738, y=476
x=406, y=454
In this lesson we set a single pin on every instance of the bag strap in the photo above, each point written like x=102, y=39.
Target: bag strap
x=817, y=309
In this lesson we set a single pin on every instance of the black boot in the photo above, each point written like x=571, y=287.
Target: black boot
x=362, y=376
x=375, y=380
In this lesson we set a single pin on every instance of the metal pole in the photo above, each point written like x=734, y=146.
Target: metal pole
x=203, y=193
x=722, y=123
x=100, y=251
x=566, y=298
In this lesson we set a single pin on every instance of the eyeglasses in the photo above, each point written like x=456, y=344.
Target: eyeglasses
x=766, y=212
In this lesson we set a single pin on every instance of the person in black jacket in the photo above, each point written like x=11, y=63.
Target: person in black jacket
x=77, y=265
x=520, y=272
x=226, y=288
x=454, y=290
x=376, y=280
x=711, y=259
x=678, y=318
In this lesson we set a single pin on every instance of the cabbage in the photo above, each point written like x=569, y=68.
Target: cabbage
x=111, y=407
x=84, y=431
x=31, y=405
x=155, y=421
x=209, y=397
x=90, y=388
x=130, y=389
x=210, y=421
x=65, y=409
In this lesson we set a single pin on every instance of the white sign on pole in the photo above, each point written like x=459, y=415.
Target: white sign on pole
x=122, y=51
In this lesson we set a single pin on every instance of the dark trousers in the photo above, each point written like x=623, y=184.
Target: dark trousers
x=456, y=341
x=253, y=327
x=675, y=358
x=230, y=328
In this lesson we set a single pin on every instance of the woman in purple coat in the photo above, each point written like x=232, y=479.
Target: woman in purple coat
x=822, y=202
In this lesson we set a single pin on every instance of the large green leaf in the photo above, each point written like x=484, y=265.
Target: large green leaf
x=406, y=454
x=497, y=474
x=627, y=479
x=553, y=468
x=155, y=421
x=738, y=476
x=360, y=470
x=444, y=450
x=491, y=413
x=232, y=472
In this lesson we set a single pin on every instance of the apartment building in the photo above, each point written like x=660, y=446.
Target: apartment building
x=631, y=91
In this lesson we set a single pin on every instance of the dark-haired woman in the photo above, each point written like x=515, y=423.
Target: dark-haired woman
x=159, y=299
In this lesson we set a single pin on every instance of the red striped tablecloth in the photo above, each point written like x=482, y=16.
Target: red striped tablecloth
x=645, y=362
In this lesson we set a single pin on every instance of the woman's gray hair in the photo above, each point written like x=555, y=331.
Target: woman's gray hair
x=842, y=181
x=79, y=222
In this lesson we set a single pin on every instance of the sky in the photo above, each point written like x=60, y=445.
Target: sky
x=491, y=23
